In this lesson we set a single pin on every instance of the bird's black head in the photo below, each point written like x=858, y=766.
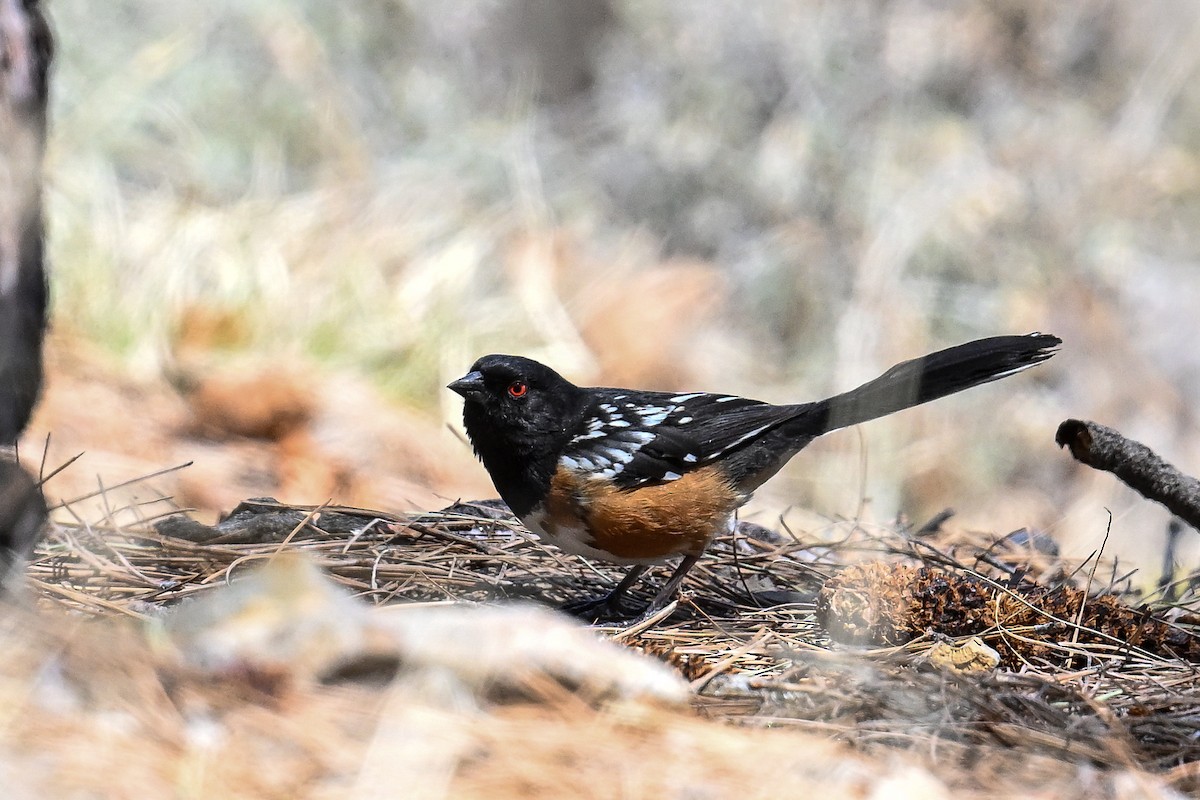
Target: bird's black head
x=519, y=415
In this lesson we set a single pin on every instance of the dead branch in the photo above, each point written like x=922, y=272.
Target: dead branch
x=1135, y=464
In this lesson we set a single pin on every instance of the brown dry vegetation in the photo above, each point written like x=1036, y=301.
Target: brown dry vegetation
x=284, y=686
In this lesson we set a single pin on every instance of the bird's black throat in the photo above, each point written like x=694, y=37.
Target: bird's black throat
x=521, y=466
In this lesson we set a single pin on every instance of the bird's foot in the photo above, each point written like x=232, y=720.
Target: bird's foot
x=598, y=609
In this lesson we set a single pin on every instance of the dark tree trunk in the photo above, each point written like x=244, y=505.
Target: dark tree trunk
x=25, y=53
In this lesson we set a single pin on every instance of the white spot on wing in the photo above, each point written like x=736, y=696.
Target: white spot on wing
x=579, y=463
x=653, y=415
x=683, y=398
x=690, y=458
x=726, y=399
x=618, y=455
x=671, y=476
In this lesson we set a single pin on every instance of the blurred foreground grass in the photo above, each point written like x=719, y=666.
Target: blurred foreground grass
x=398, y=187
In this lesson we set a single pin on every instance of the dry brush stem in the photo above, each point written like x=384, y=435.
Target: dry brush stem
x=1135, y=464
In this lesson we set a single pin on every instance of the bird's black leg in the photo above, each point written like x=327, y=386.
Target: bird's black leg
x=610, y=604
x=667, y=593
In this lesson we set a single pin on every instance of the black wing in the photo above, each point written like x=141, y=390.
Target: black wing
x=636, y=438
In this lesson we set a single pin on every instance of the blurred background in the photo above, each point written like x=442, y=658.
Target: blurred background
x=278, y=228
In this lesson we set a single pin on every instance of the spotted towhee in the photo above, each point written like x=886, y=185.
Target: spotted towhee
x=637, y=477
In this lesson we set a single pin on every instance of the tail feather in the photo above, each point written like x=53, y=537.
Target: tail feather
x=923, y=379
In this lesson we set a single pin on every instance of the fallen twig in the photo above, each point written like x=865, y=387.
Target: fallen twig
x=1135, y=464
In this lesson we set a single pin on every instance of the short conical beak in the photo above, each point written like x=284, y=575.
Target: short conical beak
x=470, y=385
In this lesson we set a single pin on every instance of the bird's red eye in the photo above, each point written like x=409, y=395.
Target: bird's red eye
x=518, y=389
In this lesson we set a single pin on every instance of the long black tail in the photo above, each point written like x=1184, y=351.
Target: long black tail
x=923, y=379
